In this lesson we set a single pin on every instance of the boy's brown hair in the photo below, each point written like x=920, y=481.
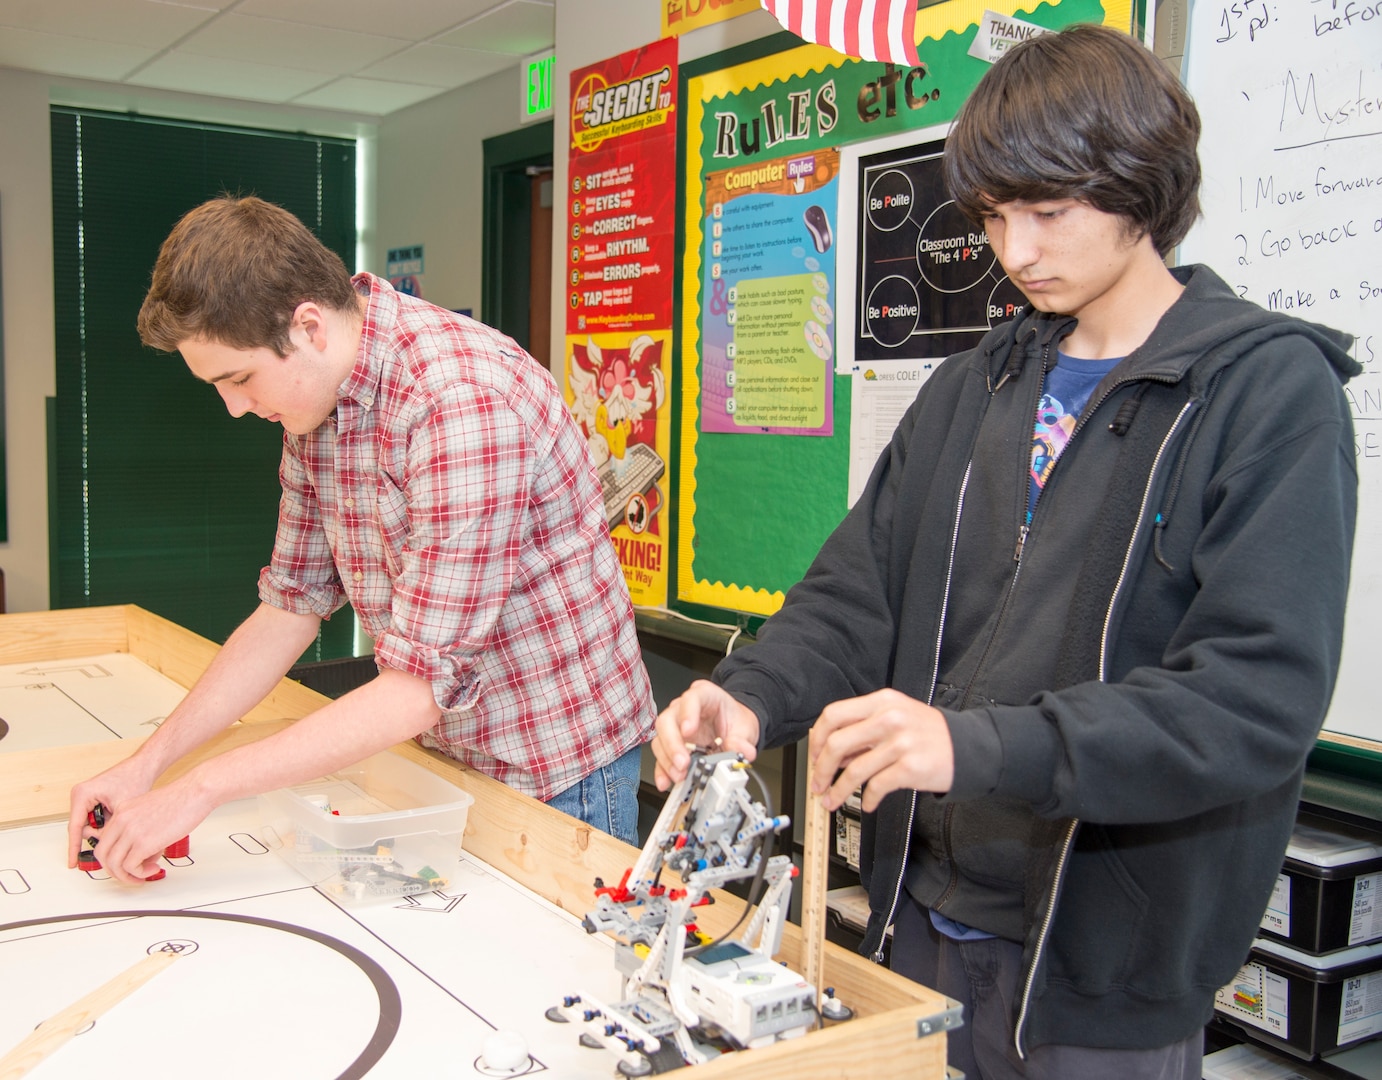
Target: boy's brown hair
x=1087, y=113
x=233, y=271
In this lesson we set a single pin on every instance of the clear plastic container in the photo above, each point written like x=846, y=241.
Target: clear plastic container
x=376, y=831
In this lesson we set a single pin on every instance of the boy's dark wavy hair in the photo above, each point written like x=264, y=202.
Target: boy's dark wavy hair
x=1087, y=113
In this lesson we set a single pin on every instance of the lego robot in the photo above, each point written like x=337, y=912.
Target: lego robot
x=686, y=998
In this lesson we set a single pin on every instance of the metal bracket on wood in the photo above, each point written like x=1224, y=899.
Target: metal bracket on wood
x=951, y=1018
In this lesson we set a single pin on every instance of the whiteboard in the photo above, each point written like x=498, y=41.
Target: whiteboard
x=1290, y=95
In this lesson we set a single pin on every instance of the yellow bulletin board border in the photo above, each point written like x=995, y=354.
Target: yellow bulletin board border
x=776, y=59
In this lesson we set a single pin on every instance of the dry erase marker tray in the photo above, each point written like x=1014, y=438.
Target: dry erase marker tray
x=381, y=829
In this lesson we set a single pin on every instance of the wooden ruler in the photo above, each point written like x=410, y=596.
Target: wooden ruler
x=56, y=1030
x=815, y=862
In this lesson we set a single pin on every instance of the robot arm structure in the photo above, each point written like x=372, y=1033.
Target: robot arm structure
x=681, y=993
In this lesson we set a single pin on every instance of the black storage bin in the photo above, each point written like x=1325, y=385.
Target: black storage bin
x=1302, y=1004
x=1329, y=894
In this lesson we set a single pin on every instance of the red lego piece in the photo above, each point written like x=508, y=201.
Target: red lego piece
x=618, y=893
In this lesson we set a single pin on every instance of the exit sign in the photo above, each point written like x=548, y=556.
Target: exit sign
x=535, y=86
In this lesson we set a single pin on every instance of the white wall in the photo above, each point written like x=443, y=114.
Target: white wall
x=431, y=184
x=26, y=261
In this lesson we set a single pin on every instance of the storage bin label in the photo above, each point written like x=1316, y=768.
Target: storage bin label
x=1361, y=1012
x=847, y=839
x=1277, y=917
x=1365, y=924
x=1258, y=997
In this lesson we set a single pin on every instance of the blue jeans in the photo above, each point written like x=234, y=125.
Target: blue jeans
x=608, y=798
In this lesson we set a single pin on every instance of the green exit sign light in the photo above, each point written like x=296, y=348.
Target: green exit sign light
x=536, y=85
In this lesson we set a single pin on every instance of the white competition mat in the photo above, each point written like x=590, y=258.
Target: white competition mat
x=82, y=700
x=276, y=980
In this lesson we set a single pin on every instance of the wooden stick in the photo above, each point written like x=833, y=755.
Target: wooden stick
x=56, y=1030
x=815, y=861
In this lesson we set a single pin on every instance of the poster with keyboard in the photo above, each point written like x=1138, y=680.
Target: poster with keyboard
x=621, y=225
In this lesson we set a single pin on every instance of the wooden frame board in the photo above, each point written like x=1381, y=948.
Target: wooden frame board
x=899, y=1027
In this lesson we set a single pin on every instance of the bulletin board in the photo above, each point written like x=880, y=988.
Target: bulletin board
x=761, y=475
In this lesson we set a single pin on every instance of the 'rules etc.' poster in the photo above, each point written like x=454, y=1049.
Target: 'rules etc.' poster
x=621, y=230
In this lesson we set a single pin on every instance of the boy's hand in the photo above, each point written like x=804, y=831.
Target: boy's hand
x=139, y=823
x=700, y=716
x=112, y=788
x=882, y=741
x=137, y=832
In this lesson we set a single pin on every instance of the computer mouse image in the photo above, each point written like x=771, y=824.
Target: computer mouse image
x=818, y=225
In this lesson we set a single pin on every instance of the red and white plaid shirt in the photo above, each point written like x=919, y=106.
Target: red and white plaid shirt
x=452, y=501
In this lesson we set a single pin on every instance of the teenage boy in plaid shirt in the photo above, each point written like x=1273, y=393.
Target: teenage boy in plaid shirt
x=433, y=477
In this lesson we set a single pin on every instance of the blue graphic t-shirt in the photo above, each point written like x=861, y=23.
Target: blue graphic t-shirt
x=1063, y=398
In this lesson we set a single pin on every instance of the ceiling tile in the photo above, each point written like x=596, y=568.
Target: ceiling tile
x=439, y=65
x=372, y=96
x=225, y=78
x=274, y=42
x=144, y=23
x=57, y=54
x=519, y=27
x=356, y=54
x=415, y=20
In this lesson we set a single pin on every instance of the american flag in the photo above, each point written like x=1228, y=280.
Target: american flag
x=869, y=29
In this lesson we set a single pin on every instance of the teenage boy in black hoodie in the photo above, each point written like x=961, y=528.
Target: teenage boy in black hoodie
x=1077, y=638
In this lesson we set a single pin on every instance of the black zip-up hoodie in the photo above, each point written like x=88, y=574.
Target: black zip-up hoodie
x=1132, y=681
